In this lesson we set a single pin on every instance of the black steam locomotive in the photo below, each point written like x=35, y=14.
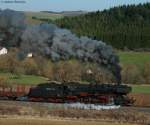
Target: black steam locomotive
x=85, y=93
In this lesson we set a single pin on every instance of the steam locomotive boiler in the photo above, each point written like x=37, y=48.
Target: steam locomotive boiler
x=85, y=93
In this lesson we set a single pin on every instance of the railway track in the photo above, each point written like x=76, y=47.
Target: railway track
x=138, y=108
x=74, y=106
x=68, y=105
x=46, y=110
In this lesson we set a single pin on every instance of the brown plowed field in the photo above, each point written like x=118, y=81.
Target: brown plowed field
x=142, y=100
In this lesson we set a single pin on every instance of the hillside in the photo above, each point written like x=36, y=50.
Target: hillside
x=73, y=13
x=41, y=15
x=124, y=27
x=38, y=17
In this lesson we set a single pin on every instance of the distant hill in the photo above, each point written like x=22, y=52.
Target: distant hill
x=73, y=13
x=38, y=17
x=124, y=27
x=41, y=15
x=68, y=13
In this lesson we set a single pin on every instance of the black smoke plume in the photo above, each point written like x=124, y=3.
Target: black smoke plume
x=12, y=24
x=52, y=42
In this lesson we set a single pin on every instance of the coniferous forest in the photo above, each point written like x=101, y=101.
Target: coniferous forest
x=123, y=27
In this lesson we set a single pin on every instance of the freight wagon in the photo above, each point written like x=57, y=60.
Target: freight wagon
x=12, y=92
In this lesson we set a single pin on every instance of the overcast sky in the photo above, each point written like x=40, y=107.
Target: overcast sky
x=65, y=5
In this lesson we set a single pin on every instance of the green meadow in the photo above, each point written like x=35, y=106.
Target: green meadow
x=137, y=58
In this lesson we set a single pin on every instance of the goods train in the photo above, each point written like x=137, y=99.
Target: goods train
x=72, y=92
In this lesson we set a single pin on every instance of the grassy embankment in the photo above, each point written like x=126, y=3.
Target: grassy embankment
x=141, y=89
x=23, y=79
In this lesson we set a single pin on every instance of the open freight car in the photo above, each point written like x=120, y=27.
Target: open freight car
x=12, y=92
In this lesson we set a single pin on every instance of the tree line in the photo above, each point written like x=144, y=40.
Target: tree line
x=70, y=70
x=123, y=27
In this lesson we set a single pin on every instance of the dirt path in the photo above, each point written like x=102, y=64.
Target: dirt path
x=52, y=121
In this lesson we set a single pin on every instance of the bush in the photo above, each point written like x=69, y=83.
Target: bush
x=146, y=73
x=67, y=71
x=3, y=80
x=103, y=76
x=47, y=70
x=30, y=67
x=8, y=63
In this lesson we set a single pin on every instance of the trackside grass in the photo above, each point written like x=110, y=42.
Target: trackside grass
x=23, y=79
x=141, y=89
